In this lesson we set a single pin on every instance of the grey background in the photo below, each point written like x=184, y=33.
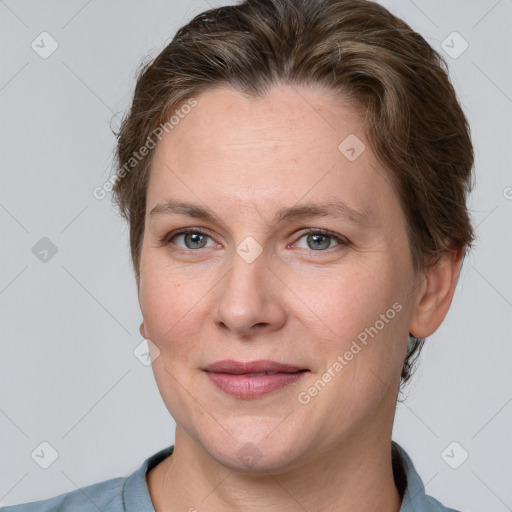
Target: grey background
x=69, y=326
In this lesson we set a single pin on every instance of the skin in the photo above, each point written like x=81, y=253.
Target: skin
x=244, y=159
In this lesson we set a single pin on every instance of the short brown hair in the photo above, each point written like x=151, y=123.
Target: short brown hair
x=354, y=48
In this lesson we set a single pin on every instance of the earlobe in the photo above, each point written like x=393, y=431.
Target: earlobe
x=436, y=293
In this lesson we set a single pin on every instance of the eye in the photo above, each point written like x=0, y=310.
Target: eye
x=321, y=239
x=192, y=239
x=318, y=240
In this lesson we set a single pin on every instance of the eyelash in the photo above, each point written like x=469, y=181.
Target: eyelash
x=342, y=241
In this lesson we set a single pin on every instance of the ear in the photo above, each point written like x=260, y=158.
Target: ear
x=436, y=293
x=142, y=330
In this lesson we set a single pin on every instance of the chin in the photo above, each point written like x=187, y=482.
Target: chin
x=253, y=450
x=255, y=459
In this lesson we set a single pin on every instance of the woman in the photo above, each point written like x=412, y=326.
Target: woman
x=294, y=174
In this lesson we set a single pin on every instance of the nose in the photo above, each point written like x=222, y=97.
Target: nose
x=249, y=299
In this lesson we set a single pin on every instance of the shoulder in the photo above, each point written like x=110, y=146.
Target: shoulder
x=121, y=494
x=106, y=496
x=432, y=505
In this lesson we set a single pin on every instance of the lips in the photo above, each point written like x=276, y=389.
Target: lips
x=240, y=368
x=254, y=378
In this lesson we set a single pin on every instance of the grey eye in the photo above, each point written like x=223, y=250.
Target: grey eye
x=192, y=240
x=195, y=240
x=319, y=242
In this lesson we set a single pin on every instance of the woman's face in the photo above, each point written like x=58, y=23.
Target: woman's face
x=326, y=313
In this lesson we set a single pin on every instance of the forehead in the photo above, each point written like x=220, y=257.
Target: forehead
x=293, y=143
x=287, y=115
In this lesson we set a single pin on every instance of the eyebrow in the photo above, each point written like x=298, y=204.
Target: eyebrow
x=333, y=209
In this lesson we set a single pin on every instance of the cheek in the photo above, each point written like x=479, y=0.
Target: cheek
x=360, y=317
x=367, y=320
x=170, y=303
x=353, y=300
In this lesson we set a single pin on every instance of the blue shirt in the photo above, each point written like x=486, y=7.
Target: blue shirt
x=131, y=494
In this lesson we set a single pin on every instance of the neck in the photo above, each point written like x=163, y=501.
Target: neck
x=355, y=475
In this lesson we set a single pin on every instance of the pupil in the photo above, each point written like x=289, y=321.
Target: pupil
x=195, y=238
x=320, y=241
